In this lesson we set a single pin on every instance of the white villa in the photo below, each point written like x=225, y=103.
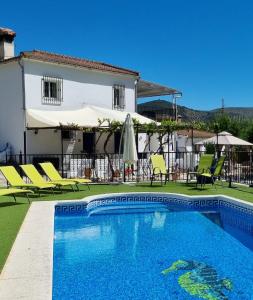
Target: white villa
x=41, y=91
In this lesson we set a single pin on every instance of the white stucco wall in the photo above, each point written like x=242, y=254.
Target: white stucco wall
x=49, y=142
x=79, y=86
x=11, y=106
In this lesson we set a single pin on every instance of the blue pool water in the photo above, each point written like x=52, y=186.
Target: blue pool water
x=119, y=251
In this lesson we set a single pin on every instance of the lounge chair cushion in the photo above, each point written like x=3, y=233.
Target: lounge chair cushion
x=15, y=180
x=33, y=174
x=55, y=176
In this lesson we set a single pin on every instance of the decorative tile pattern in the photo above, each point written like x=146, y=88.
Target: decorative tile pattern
x=199, y=279
x=173, y=201
x=70, y=208
x=223, y=204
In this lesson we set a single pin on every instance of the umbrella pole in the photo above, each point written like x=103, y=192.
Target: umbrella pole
x=137, y=146
x=25, y=143
x=120, y=145
x=124, y=173
x=62, y=152
x=168, y=157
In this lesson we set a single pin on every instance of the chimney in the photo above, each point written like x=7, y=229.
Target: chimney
x=6, y=43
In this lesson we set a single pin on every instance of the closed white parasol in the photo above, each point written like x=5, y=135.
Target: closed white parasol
x=129, y=150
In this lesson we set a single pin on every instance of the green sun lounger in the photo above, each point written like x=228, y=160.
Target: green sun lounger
x=33, y=174
x=13, y=192
x=159, y=168
x=15, y=180
x=54, y=175
x=205, y=164
x=217, y=171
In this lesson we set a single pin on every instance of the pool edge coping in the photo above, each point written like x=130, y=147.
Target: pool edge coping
x=28, y=270
x=235, y=200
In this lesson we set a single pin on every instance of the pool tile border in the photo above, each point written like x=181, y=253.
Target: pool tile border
x=28, y=271
x=191, y=202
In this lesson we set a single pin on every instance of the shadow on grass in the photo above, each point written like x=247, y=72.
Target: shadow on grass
x=5, y=204
x=199, y=189
x=46, y=193
x=63, y=194
x=149, y=186
x=220, y=188
x=239, y=189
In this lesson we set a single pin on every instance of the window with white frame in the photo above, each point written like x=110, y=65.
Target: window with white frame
x=52, y=90
x=118, y=97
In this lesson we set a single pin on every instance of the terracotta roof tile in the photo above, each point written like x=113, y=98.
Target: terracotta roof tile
x=73, y=61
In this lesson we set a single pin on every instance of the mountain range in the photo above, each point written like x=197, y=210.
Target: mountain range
x=188, y=114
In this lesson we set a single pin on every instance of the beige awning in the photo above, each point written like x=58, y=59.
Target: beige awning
x=86, y=117
x=151, y=89
x=225, y=138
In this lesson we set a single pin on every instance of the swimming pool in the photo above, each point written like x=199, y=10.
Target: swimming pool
x=153, y=246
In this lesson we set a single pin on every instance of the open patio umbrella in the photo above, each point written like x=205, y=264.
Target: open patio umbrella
x=129, y=150
x=226, y=139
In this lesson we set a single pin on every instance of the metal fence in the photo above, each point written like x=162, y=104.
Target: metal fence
x=110, y=167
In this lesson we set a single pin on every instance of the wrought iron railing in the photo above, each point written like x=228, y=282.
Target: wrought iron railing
x=110, y=167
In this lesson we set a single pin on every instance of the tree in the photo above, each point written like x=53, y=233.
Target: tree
x=249, y=132
x=223, y=122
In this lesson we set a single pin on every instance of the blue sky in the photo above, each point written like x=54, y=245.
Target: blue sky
x=203, y=48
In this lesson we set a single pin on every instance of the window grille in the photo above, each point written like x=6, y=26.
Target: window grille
x=52, y=90
x=118, y=97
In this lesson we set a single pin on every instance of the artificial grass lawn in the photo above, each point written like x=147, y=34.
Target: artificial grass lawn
x=12, y=214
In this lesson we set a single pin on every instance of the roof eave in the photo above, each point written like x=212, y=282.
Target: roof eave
x=9, y=60
x=23, y=55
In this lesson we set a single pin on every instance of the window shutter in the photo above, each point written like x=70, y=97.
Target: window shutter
x=118, y=96
x=58, y=84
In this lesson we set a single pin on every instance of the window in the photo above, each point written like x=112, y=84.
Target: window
x=51, y=88
x=118, y=97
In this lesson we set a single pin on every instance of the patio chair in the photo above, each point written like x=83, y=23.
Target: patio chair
x=159, y=168
x=217, y=172
x=13, y=192
x=55, y=176
x=15, y=180
x=205, y=164
x=35, y=177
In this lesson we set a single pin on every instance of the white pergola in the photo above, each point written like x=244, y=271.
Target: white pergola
x=152, y=89
x=87, y=116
